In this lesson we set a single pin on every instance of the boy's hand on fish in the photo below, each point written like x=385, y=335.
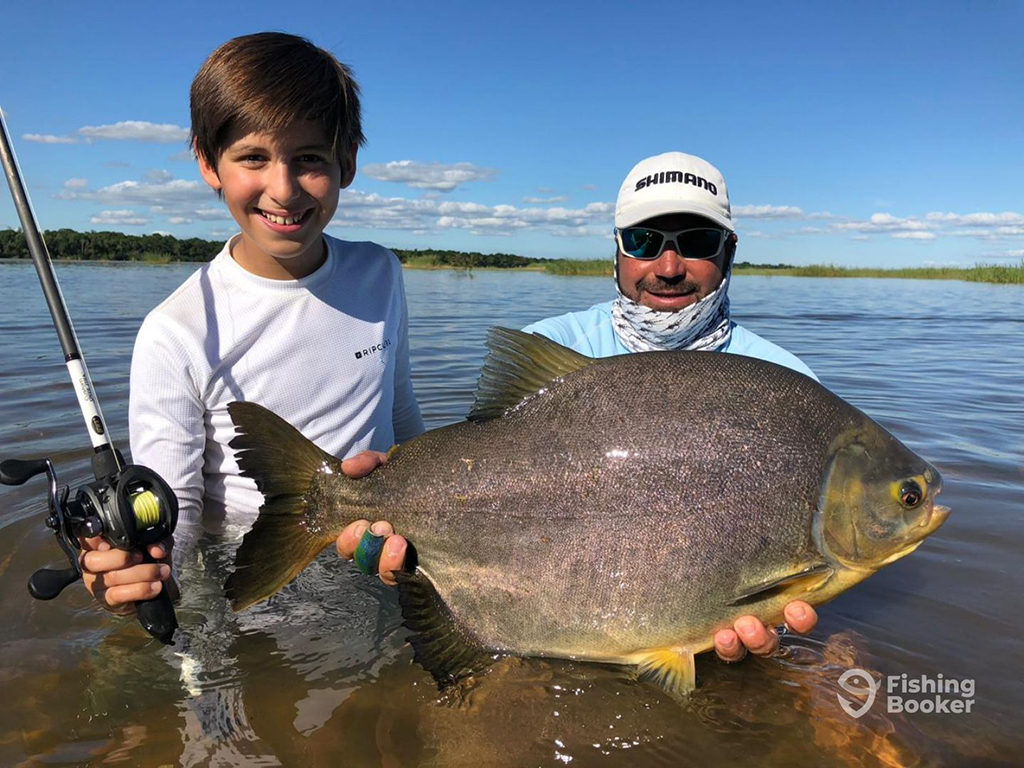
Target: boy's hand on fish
x=118, y=579
x=748, y=633
x=363, y=463
x=392, y=557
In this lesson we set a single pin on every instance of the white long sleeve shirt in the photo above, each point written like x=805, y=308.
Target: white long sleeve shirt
x=329, y=353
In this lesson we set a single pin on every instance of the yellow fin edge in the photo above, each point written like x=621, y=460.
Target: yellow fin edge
x=670, y=667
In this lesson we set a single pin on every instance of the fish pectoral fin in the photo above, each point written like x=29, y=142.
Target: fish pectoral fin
x=517, y=366
x=796, y=583
x=671, y=668
x=440, y=643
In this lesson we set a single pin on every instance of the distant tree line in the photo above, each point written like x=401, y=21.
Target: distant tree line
x=117, y=246
x=110, y=246
x=465, y=260
x=751, y=265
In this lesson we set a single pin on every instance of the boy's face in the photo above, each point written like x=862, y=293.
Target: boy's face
x=282, y=189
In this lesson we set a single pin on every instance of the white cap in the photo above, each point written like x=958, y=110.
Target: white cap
x=673, y=183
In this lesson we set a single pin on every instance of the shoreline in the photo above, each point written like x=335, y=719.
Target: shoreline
x=1011, y=274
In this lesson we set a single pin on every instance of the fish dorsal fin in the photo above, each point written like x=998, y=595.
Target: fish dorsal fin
x=440, y=643
x=517, y=366
x=796, y=583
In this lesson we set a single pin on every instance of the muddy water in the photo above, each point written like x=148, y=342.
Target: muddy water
x=322, y=676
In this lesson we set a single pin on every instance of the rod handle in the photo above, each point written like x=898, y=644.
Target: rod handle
x=156, y=616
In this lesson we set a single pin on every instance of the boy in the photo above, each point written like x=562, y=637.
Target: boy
x=312, y=327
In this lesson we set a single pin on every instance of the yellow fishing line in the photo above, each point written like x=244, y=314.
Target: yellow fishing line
x=146, y=507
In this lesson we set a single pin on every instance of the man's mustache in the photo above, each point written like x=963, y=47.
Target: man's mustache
x=663, y=287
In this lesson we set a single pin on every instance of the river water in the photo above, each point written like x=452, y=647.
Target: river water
x=321, y=674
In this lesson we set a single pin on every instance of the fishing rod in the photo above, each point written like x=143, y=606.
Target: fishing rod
x=130, y=505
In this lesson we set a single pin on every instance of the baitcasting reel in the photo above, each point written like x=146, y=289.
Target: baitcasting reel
x=131, y=506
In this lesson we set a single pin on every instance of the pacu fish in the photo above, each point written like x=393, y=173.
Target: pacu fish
x=617, y=510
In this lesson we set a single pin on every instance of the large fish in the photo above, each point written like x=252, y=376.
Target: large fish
x=617, y=510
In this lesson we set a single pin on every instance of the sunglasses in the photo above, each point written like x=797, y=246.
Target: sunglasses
x=647, y=244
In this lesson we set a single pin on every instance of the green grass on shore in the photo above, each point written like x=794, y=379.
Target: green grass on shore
x=579, y=267
x=981, y=273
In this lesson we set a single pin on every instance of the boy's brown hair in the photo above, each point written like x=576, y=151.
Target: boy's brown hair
x=267, y=81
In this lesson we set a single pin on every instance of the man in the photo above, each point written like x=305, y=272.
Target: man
x=675, y=248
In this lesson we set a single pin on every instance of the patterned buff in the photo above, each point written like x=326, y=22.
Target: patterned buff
x=701, y=326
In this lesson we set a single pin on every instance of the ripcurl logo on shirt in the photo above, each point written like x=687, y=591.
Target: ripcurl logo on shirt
x=677, y=177
x=360, y=354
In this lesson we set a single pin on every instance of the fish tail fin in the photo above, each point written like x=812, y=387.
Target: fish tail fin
x=670, y=668
x=282, y=541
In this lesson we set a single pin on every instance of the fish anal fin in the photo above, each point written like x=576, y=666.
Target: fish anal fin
x=670, y=667
x=517, y=366
x=441, y=645
x=793, y=584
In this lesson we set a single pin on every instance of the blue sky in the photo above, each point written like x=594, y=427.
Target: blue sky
x=876, y=134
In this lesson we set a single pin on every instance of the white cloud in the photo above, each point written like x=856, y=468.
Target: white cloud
x=158, y=175
x=366, y=210
x=185, y=156
x=437, y=176
x=914, y=235
x=978, y=219
x=136, y=130
x=767, y=212
x=175, y=200
x=47, y=138
x=545, y=200
x=118, y=218
x=808, y=231
x=127, y=130
x=172, y=191
x=76, y=184
x=884, y=222
x=931, y=226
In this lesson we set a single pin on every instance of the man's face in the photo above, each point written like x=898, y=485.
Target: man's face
x=670, y=283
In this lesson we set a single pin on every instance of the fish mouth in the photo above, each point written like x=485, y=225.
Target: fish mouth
x=935, y=518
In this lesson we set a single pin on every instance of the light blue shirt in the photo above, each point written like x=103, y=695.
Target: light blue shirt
x=590, y=333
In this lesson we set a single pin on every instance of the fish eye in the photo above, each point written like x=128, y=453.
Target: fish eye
x=911, y=494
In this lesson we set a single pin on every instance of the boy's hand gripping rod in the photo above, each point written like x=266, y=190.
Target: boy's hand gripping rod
x=130, y=505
